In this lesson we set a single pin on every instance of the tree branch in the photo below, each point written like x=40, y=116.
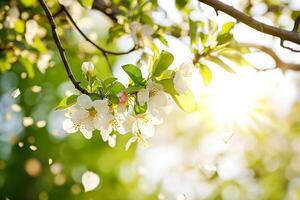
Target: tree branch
x=60, y=48
x=104, y=51
x=291, y=36
x=278, y=62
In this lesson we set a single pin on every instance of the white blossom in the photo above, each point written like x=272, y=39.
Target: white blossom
x=142, y=126
x=181, y=79
x=91, y=115
x=156, y=99
x=140, y=31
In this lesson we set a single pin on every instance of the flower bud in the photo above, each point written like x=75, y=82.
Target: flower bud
x=87, y=67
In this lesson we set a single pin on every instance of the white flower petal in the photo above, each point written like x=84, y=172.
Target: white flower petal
x=186, y=69
x=143, y=96
x=78, y=116
x=180, y=83
x=105, y=133
x=85, y=101
x=90, y=181
x=101, y=106
x=87, y=134
x=15, y=93
x=69, y=126
x=147, y=30
x=112, y=140
x=147, y=129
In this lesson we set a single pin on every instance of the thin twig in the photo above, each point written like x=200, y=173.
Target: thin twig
x=289, y=48
x=104, y=51
x=60, y=48
x=278, y=62
x=291, y=36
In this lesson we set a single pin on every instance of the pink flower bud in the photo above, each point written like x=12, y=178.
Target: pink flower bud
x=122, y=97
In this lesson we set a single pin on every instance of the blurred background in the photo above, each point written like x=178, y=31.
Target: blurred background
x=242, y=143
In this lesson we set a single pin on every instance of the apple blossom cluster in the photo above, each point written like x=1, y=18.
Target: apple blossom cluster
x=111, y=108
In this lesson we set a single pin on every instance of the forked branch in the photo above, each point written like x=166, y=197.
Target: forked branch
x=60, y=48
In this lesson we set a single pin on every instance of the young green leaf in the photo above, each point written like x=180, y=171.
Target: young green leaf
x=224, y=38
x=193, y=31
x=161, y=38
x=133, y=89
x=206, y=74
x=221, y=63
x=134, y=73
x=67, y=102
x=186, y=102
x=116, y=88
x=162, y=63
x=226, y=28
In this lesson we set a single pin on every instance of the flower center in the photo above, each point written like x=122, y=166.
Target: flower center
x=153, y=91
x=92, y=112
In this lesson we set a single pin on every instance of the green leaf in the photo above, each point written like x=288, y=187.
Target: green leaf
x=226, y=28
x=161, y=38
x=109, y=81
x=115, y=32
x=116, y=88
x=133, y=89
x=146, y=19
x=162, y=63
x=67, y=102
x=86, y=3
x=221, y=63
x=139, y=109
x=168, y=86
x=193, y=31
x=134, y=73
x=235, y=56
x=206, y=74
x=224, y=38
x=185, y=101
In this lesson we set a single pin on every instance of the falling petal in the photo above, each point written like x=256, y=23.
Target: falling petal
x=90, y=181
x=15, y=93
